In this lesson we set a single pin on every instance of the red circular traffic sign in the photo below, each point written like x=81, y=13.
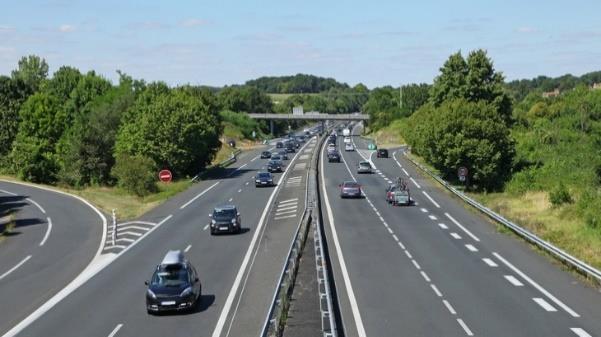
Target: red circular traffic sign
x=165, y=176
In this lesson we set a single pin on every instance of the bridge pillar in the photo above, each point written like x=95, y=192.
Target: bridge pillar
x=271, y=127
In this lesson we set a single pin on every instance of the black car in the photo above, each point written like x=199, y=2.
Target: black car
x=333, y=156
x=263, y=179
x=279, y=145
x=174, y=285
x=283, y=155
x=274, y=166
x=225, y=219
x=265, y=155
x=290, y=149
x=382, y=153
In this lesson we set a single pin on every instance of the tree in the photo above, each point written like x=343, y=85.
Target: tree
x=32, y=70
x=413, y=97
x=382, y=107
x=173, y=128
x=135, y=174
x=244, y=99
x=13, y=92
x=63, y=82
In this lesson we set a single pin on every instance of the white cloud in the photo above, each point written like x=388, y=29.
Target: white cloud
x=6, y=29
x=527, y=29
x=66, y=28
x=193, y=23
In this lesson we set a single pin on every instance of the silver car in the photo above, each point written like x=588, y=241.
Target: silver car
x=350, y=189
x=364, y=167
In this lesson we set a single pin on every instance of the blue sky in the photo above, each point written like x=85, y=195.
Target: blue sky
x=373, y=42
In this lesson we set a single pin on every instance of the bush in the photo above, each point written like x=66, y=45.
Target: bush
x=589, y=205
x=136, y=174
x=560, y=195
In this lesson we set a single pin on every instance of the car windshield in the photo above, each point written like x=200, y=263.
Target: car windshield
x=172, y=275
x=351, y=184
x=263, y=175
x=364, y=164
x=224, y=213
x=273, y=162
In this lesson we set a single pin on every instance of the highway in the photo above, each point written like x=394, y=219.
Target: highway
x=436, y=268
x=239, y=273
x=54, y=239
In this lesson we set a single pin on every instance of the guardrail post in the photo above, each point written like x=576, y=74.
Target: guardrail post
x=114, y=236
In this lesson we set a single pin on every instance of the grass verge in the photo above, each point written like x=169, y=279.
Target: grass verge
x=390, y=136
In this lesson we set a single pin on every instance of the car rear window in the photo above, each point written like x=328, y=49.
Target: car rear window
x=351, y=184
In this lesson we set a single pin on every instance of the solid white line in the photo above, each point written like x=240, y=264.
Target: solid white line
x=438, y=293
x=7, y=192
x=48, y=230
x=205, y=227
x=464, y=326
x=286, y=208
x=432, y=217
x=416, y=264
x=471, y=248
x=187, y=248
x=448, y=305
x=513, y=280
x=443, y=226
x=255, y=158
x=425, y=276
x=115, y=330
x=37, y=205
x=15, y=267
x=198, y=195
x=236, y=285
x=345, y=275
x=285, y=217
x=490, y=262
x=430, y=198
x=537, y=286
x=544, y=304
x=462, y=228
x=580, y=332
x=414, y=182
x=286, y=201
x=405, y=171
x=456, y=236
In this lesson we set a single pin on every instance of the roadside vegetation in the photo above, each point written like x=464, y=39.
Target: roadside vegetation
x=534, y=158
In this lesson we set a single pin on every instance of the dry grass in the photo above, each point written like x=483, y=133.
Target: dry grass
x=390, y=136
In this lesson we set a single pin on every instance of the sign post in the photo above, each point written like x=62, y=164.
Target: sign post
x=165, y=176
x=462, y=174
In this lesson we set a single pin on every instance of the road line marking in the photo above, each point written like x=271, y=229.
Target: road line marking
x=124, y=228
x=289, y=200
x=285, y=217
x=471, y=248
x=240, y=190
x=114, y=246
x=389, y=230
x=490, y=262
x=438, y=293
x=462, y=228
x=448, y=305
x=580, y=332
x=537, y=286
x=408, y=254
x=115, y=330
x=15, y=267
x=456, y=236
x=544, y=304
x=237, y=169
x=414, y=182
x=424, y=210
x=430, y=198
x=401, y=245
x=432, y=217
x=425, y=276
x=187, y=248
x=136, y=222
x=405, y=171
x=416, y=264
x=230, y=199
x=286, y=208
x=48, y=230
x=205, y=228
x=246, y=183
x=131, y=233
x=464, y=326
x=285, y=212
x=198, y=195
x=395, y=237
x=37, y=205
x=9, y=193
x=255, y=158
x=513, y=280
x=443, y=226
x=125, y=240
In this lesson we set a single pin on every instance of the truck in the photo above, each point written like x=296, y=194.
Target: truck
x=346, y=132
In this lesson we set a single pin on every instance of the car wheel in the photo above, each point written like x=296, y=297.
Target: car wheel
x=149, y=312
x=212, y=232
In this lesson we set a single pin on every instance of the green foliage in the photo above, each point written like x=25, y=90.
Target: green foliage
x=242, y=122
x=13, y=92
x=136, y=174
x=461, y=133
x=382, y=107
x=32, y=70
x=519, y=89
x=414, y=97
x=296, y=84
x=244, y=99
x=63, y=82
x=560, y=195
x=174, y=128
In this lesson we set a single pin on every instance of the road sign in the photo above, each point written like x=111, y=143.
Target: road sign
x=165, y=176
x=371, y=146
x=462, y=171
x=297, y=110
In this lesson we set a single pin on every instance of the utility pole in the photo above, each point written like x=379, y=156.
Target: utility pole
x=401, y=97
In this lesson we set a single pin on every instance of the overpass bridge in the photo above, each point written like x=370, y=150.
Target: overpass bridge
x=310, y=116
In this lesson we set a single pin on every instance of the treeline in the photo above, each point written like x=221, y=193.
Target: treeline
x=297, y=84
x=80, y=129
x=519, y=89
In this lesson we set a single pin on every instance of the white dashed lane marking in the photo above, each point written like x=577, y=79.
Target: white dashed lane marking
x=514, y=280
x=464, y=326
x=580, y=332
x=438, y=293
x=456, y=236
x=432, y=217
x=544, y=304
x=415, y=183
x=443, y=226
x=449, y=307
x=490, y=262
x=471, y=248
x=462, y=228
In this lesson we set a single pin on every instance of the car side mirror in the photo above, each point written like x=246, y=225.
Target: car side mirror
x=238, y=214
x=196, y=280
x=146, y=282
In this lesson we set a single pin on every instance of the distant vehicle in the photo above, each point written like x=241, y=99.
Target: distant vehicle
x=279, y=145
x=290, y=149
x=263, y=179
x=283, y=154
x=333, y=156
x=174, y=285
x=225, y=219
x=274, y=166
x=382, y=153
x=331, y=146
x=347, y=140
x=398, y=193
x=265, y=155
x=350, y=189
x=349, y=147
x=346, y=132
x=276, y=156
x=364, y=167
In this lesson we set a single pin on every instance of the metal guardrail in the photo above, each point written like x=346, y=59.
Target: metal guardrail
x=568, y=259
x=224, y=163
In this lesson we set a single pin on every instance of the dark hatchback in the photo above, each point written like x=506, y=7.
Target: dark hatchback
x=225, y=219
x=274, y=166
x=333, y=156
x=382, y=153
x=263, y=179
x=265, y=155
x=174, y=285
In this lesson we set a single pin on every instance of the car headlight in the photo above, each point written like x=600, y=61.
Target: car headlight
x=257, y=181
x=270, y=180
x=213, y=222
x=186, y=292
x=233, y=221
x=151, y=294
